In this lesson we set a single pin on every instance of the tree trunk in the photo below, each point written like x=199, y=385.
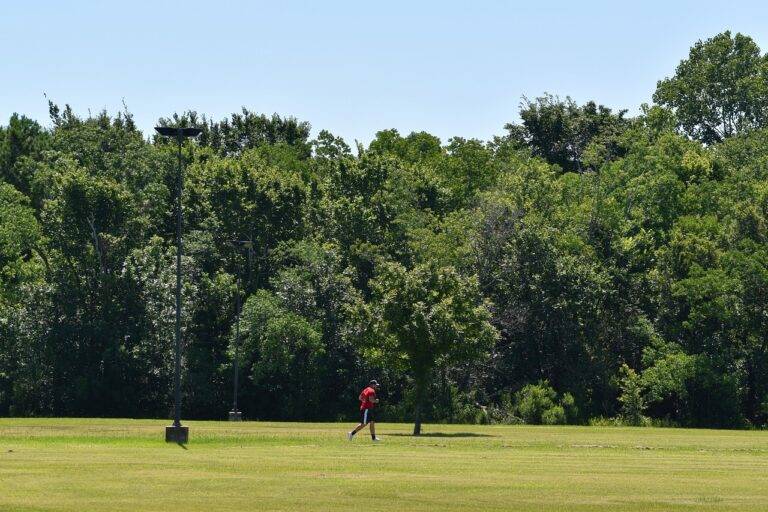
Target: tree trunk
x=417, y=419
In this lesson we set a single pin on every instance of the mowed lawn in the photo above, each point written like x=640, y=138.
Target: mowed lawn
x=97, y=464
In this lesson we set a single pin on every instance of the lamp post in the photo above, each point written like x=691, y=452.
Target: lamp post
x=234, y=414
x=176, y=433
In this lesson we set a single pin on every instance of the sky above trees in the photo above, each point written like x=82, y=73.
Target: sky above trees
x=350, y=67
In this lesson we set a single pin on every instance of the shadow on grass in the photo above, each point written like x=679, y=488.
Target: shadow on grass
x=442, y=434
x=182, y=445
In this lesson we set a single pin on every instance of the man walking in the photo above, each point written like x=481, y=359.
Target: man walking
x=368, y=401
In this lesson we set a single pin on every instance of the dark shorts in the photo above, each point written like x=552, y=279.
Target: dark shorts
x=367, y=416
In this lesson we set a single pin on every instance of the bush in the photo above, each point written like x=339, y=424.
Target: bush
x=602, y=421
x=631, y=398
x=691, y=389
x=569, y=405
x=554, y=416
x=713, y=397
x=466, y=409
x=502, y=416
x=454, y=406
x=538, y=404
x=505, y=413
x=482, y=417
x=533, y=400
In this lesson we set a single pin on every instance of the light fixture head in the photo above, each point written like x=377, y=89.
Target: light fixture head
x=170, y=131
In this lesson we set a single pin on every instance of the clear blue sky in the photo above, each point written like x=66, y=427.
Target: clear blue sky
x=447, y=67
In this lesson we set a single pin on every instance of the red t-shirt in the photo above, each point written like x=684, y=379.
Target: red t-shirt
x=367, y=396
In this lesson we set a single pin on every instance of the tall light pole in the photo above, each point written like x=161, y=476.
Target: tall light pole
x=176, y=433
x=234, y=414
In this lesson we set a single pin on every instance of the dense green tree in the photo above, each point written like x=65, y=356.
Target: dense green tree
x=631, y=398
x=21, y=142
x=569, y=135
x=426, y=315
x=282, y=353
x=21, y=253
x=416, y=147
x=720, y=90
x=245, y=130
x=490, y=276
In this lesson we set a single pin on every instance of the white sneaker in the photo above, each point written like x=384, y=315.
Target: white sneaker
x=349, y=436
x=376, y=439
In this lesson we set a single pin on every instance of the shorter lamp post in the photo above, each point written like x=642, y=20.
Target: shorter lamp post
x=234, y=414
x=176, y=433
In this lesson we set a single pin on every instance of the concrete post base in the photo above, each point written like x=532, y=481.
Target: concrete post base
x=175, y=434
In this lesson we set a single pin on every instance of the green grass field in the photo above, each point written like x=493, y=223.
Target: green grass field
x=84, y=465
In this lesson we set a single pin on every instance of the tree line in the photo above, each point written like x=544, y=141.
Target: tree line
x=584, y=265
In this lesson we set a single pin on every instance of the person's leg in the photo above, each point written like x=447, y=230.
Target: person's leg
x=372, y=421
x=360, y=426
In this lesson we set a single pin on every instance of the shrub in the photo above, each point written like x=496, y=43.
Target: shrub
x=538, y=404
x=602, y=421
x=533, y=400
x=691, y=389
x=554, y=416
x=482, y=417
x=502, y=416
x=569, y=405
x=455, y=406
x=505, y=413
x=631, y=398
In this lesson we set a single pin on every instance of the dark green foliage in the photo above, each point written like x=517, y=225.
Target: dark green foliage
x=538, y=404
x=426, y=316
x=631, y=398
x=568, y=135
x=21, y=143
x=480, y=282
x=720, y=90
x=246, y=130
